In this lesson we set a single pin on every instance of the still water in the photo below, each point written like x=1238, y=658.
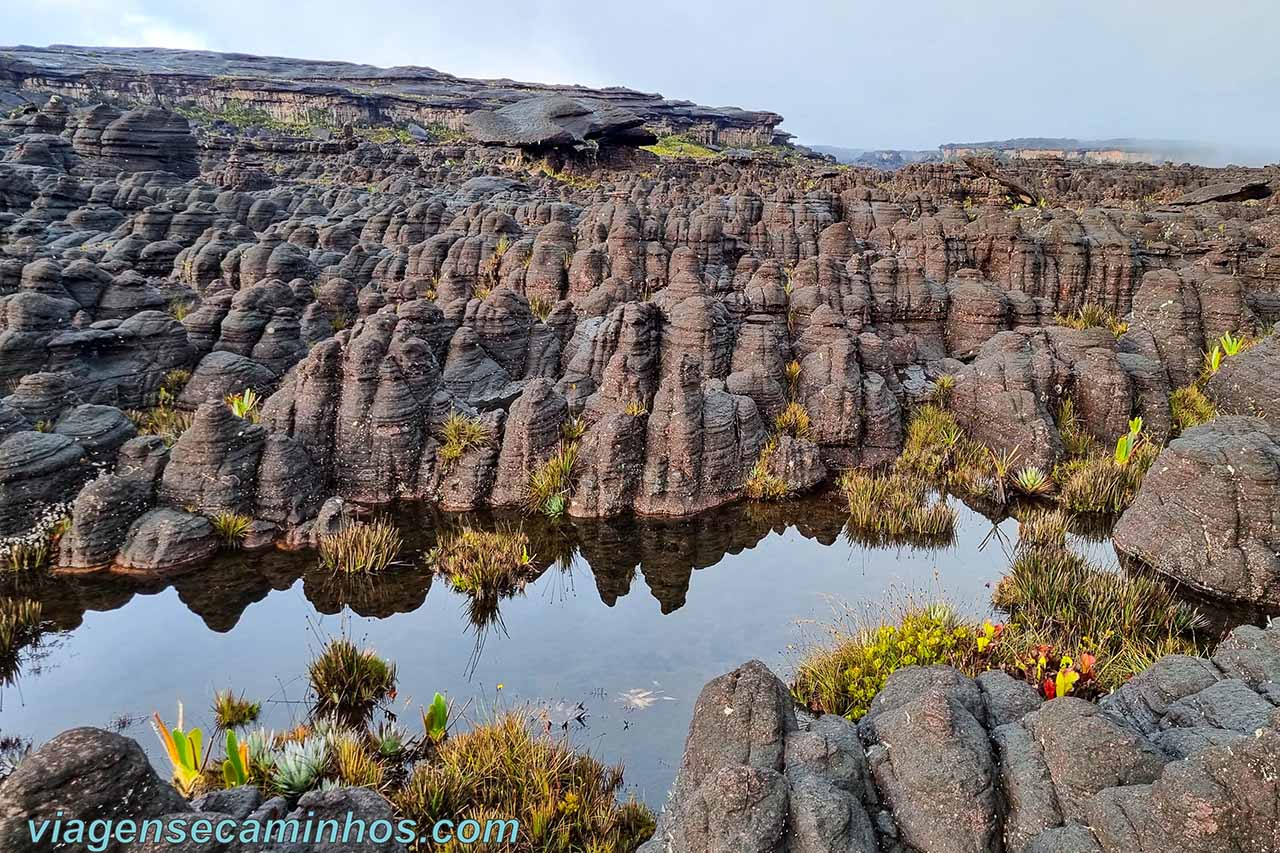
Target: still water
x=611, y=643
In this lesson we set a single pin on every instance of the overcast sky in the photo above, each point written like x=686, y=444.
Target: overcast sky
x=843, y=72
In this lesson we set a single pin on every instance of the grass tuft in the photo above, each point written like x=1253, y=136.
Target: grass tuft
x=461, y=433
x=563, y=799
x=485, y=564
x=349, y=683
x=762, y=484
x=231, y=711
x=1059, y=598
x=794, y=420
x=363, y=547
x=231, y=527
x=893, y=508
x=551, y=483
x=1091, y=316
x=1190, y=407
x=843, y=676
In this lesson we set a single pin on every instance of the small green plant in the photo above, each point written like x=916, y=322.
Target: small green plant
x=299, y=766
x=185, y=752
x=793, y=420
x=231, y=711
x=1061, y=600
x=1075, y=437
x=1231, y=345
x=792, y=371
x=349, y=683
x=167, y=423
x=461, y=433
x=1032, y=481
x=180, y=309
x=637, y=408
x=942, y=388
x=244, y=404
x=435, y=719
x=231, y=527
x=360, y=548
x=1092, y=316
x=353, y=763
x=843, y=676
x=1213, y=360
x=235, y=767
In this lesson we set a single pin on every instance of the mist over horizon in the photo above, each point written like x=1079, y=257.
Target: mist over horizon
x=858, y=77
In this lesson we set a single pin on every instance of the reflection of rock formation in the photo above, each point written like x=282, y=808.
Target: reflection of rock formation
x=665, y=552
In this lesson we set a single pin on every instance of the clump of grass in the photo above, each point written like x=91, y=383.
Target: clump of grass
x=792, y=371
x=179, y=309
x=231, y=527
x=485, y=564
x=1091, y=316
x=541, y=306
x=360, y=548
x=163, y=421
x=1058, y=598
x=1100, y=484
x=349, y=683
x=893, y=507
x=232, y=711
x=551, y=483
x=762, y=484
x=353, y=761
x=563, y=799
x=1190, y=407
x=461, y=433
x=637, y=408
x=793, y=420
x=932, y=440
x=843, y=676
x=1047, y=527
x=942, y=388
x=1075, y=438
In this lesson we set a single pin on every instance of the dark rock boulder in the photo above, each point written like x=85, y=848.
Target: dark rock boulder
x=550, y=120
x=1204, y=515
x=38, y=470
x=164, y=540
x=1249, y=383
x=82, y=774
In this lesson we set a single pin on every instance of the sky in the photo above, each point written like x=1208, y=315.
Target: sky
x=849, y=73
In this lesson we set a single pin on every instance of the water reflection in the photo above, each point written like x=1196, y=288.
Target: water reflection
x=664, y=552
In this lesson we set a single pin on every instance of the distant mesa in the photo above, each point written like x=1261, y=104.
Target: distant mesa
x=309, y=94
x=1096, y=151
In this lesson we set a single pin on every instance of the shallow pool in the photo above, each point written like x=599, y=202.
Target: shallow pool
x=611, y=643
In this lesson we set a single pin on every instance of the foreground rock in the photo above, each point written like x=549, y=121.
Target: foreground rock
x=92, y=775
x=1182, y=757
x=1206, y=513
